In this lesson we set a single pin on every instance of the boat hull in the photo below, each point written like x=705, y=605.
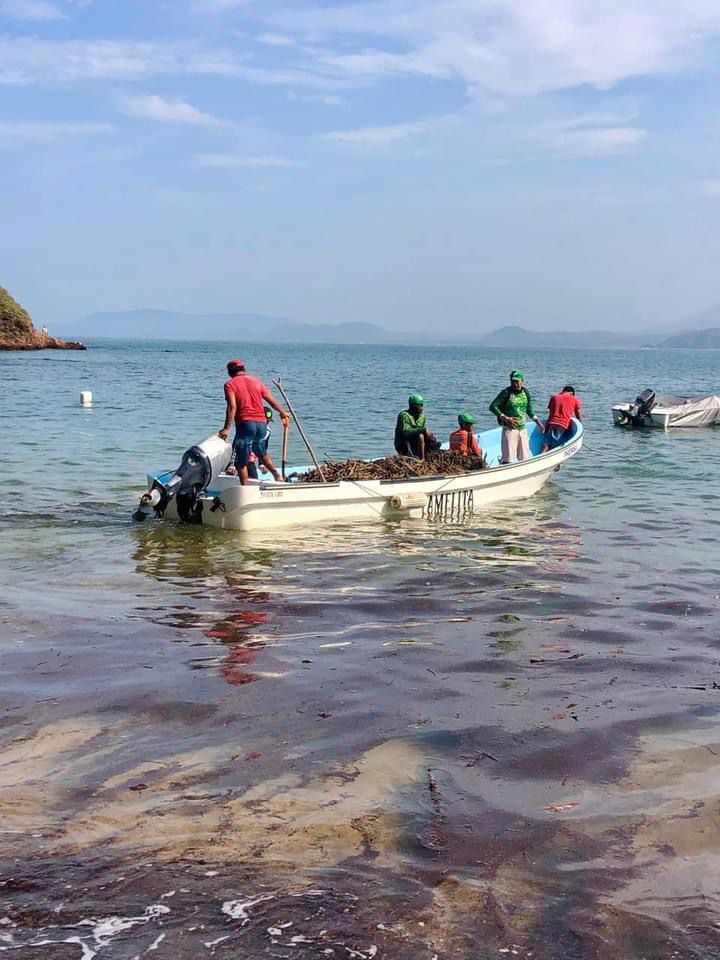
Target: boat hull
x=267, y=506
x=656, y=418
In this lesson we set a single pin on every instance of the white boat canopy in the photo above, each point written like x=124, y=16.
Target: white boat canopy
x=690, y=411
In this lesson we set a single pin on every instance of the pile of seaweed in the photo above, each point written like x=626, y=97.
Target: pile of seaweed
x=441, y=463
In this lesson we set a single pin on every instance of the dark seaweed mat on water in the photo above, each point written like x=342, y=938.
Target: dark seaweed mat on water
x=54, y=916
x=442, y=463
x=52, y=906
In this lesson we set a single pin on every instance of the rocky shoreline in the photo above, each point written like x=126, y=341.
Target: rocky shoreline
x=41, y=341
x=17, y=331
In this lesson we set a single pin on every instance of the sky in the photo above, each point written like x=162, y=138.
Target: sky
x=439, y=164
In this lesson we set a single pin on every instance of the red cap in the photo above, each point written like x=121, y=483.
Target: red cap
x=236, y=363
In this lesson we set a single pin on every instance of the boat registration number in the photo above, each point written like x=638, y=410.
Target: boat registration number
x=270, y=494
x=445, y=505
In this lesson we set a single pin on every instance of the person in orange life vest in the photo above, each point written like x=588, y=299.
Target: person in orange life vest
x=245, y=396
x=463, y=439
x=563, y=407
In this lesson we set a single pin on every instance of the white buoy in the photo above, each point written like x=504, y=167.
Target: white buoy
x=86, y=398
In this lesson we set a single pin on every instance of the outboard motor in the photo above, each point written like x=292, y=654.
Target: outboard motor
x=200, y=466
x=644, y=403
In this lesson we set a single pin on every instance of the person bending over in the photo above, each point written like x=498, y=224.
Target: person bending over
x=563, y=407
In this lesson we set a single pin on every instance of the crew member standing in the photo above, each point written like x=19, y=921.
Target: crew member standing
x=245, y=399
x=512, y=407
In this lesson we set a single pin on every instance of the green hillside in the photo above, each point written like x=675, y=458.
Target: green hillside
x=15, y=322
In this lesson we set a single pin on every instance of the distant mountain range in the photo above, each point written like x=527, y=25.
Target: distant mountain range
x=257, y=328
x=250, y=327
x=695, y=339
x=700, y=331
x=516, y=336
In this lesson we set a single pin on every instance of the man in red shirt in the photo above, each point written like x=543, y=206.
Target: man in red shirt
x=563, y=407
x=245, y=398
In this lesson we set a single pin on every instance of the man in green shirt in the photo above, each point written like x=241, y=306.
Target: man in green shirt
x=412, y=437
x=513, y=406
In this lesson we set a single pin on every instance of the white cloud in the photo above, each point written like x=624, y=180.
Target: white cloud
x=289, y=77
x=275, y=40
x=589, y=135
x=9, y=78
x=36, y=10
x=497, y=48
x=600, y=141
x=235, y=160
x=31, y=60
x=507, y=47
x=598, y=134
x=710, y=188
x=329, y=99
x=374, y=136
x=153, y=107
x=32, y=132
x=392, y=133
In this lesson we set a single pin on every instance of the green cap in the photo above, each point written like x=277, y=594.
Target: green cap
x=466, y=418
x=268, y=413
x=517, y=375
x=415, y=400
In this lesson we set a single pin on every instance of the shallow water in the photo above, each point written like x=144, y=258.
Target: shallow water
x=402, y=740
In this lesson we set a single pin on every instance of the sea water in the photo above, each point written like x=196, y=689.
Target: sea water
x=406, y=739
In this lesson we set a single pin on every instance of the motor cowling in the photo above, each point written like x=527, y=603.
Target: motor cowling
x=644, y=402
x=199, y=468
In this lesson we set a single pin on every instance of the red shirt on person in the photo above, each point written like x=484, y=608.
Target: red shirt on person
x=249, y=393
x=563, y=407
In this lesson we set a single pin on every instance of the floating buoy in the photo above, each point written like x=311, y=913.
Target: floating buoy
x=86, y=398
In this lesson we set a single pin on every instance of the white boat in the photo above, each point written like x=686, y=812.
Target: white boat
x=667, y=410
x=201, y=492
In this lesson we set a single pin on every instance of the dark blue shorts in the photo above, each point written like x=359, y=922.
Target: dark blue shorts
x=556, y=436
x=250, y=437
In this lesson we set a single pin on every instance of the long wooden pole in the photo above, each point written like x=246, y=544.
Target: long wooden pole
x=284, y=450
x=315, y=461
